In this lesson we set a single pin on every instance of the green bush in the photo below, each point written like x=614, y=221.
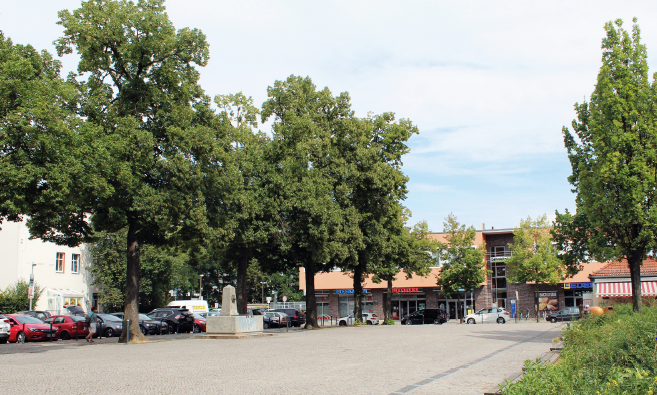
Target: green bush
x=15, y=297
x=610, y=354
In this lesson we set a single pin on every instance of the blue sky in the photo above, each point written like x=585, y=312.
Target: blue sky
x=489, y=84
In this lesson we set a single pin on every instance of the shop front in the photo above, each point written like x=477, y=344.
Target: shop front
x=406, y=301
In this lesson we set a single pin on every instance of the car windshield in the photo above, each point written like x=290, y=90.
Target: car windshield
x=199, y=317
x=109, y=317
x=28, y=320
x=144, y=317
x=77, y=318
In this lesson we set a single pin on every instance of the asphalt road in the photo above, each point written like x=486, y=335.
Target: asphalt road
x=422, y=359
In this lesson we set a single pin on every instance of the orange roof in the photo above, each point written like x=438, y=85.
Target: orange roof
x=440, y=236
x=583, y=276
x=621, y=268
x=341, y=280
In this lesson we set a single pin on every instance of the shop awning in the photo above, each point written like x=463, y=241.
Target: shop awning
x=648, y=288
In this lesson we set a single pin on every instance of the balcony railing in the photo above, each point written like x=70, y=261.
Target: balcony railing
x=498, y=256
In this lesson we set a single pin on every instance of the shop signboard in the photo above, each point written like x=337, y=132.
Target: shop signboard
x=578, y=286
x=405, y=290
x=548, y=301
x=348, y=291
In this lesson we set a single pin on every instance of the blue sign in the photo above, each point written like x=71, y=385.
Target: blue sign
x=513, y=308
x=577, y=285
x=347, y=291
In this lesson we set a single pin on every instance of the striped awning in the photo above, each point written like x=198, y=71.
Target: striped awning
x=648, y=288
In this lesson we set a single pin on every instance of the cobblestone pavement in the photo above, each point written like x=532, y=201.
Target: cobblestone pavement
x=416, y=360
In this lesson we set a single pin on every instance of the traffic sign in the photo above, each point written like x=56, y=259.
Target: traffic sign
x=30, y=292
x=284, y=298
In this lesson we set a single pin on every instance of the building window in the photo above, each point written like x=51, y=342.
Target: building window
x=75, y=263
x=59, y=263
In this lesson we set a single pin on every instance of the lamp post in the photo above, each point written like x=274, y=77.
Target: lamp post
x=31, y=290
x=262, y=283
x=200, y=292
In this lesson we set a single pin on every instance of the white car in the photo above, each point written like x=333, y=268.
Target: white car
x=499, y=315
x=5, y=328
x=367, y=318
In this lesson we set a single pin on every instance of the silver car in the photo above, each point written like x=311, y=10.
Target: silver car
x=5, y=328
x=488, y=315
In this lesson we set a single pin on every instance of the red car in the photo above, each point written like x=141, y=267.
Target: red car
x=25, y=328
x=68, y=326
x=199, y=323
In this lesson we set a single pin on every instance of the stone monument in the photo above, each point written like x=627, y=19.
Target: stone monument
x=230, y=324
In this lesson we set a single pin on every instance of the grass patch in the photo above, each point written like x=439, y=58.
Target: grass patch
x=610, y=354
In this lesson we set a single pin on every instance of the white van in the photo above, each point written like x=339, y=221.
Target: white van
x=195, y=306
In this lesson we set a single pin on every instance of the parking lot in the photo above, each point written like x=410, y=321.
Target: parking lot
x=418, y=359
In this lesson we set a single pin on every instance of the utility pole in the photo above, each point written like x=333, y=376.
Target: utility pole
x=30, y=292
x=200, y=292
x=262, y=283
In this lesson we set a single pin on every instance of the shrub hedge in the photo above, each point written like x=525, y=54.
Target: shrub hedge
x=15, y=297
x=610, y=354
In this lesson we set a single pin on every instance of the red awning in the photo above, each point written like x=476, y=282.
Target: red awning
x=648, y=288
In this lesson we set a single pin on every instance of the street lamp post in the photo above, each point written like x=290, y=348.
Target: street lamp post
x=32, y=283
x=200, y=292
x=262, y=283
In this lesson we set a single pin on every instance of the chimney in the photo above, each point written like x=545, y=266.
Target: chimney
x=481, y=226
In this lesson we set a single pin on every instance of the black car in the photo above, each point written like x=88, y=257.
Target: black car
x=565, y=314
x=149, y=326
x=297, y=318
x=425, y=316
x=179, y=320
x=109, y=325
x=42, y=315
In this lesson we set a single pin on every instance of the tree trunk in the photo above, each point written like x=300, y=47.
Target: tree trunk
x=358, y=294
x=242, y=267
x=634, y=262
x=458, y=306
x=388, y=310
x=131, y=311
x=311, y=304
x=536, y=299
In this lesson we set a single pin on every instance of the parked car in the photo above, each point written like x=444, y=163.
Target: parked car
x=425, y=316
x=199, y=323
x=297, y=318
x=5, y=329
x=109, y=325
x=68, y=326
x=266, y=321
x=212, y=313
x=147, y=325
x=366, y=318
x=499, y=315
x=565, y=314
x=42, y=315
x=75, y=310
x=178, y=320
x=27, y=328
x=277, y=318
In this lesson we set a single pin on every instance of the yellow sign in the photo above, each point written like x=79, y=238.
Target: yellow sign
x=566, y=286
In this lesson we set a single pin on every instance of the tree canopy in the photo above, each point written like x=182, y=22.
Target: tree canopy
x=613, y=155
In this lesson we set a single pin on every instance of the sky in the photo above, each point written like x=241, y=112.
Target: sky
x=489, y=84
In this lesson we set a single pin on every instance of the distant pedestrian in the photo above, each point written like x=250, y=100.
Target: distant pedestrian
x=91, y=321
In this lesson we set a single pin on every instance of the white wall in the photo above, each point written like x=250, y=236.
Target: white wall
x=18, y=253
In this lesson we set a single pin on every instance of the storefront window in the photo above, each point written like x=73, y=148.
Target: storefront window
x=403, y=304
x=573, y=298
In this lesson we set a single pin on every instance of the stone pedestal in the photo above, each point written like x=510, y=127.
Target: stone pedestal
x=233, y=324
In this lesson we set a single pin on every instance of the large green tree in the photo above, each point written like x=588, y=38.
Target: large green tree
x=463, y=267
x=613, y=154
x=534, y=257
x=372, y=154
x=313, y=225
x=153, y=122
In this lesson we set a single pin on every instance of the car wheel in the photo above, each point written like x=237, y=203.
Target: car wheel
x=369, y=322
x=553, y=320
x=21, y=337
x=437, y=322
x=3, y=341
x=197, y=329
x=65, y=336
x=109, y=332
x=408, y=322
x=471, y=321
x=342, y=323
x=143, y=330
x=500, y=320
x=265, y=325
